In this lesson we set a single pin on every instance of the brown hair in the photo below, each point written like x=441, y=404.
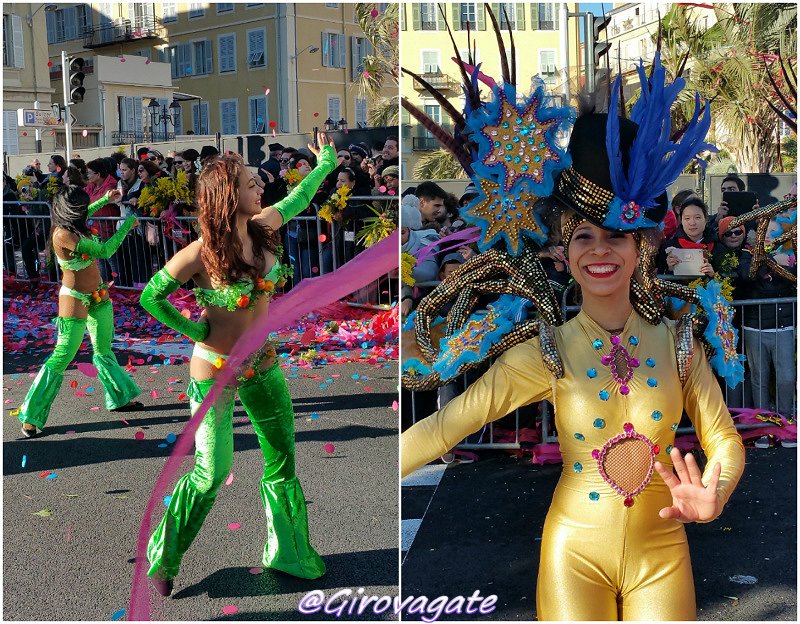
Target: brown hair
x=218, y=200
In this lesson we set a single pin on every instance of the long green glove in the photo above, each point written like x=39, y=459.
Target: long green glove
x=106, y=249
x=154, y=300
x=299, y=199
x=97, y=205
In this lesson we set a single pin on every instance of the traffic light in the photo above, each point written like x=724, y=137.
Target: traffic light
x=76, y=76
x=600, y=48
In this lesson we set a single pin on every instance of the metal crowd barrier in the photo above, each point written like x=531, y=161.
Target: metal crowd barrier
x=741, y=396
x=311, y=244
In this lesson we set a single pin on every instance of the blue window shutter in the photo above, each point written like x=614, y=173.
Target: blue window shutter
x=342, y=43
x=209, y=67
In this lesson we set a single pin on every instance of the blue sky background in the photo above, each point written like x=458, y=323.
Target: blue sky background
x=595, y=7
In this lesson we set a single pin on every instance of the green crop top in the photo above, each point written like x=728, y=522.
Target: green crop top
x=245, y=292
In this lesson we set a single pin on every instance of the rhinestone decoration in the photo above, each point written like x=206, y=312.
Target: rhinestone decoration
x=674, y=427
x=621, y=364
x=577, y=467
x=627, y=437
x=651, y=382
x=579, y=436
x=533, y=147
x=669, y=449
x=503, y=215
x=591, y=373
x=650, y=362
x=656, y=415
x=603, y=394
x=597, y=344
x=599, y=423
x=633, y=340
x=594, y=496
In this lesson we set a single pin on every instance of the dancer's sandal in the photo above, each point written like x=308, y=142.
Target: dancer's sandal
x=30, y=433
x=133, y=406
x=162, y=586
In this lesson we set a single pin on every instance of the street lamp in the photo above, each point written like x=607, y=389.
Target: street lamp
x=342, y=124
x=329, y=125
x=311, y=48
x=48, y=9
x=162, y=116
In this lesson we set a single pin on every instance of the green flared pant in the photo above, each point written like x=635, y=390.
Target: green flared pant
x=118, y=387
x=266, y=399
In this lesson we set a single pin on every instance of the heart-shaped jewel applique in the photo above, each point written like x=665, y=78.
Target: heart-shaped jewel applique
x=626, y=462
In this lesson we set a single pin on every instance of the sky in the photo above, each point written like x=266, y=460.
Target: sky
x=596, y=8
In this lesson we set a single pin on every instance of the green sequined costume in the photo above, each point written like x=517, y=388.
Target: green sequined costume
x=266, y=400
x=118, y=387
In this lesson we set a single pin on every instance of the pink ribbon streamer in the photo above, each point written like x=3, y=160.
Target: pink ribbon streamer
x=170, y=223
x=489, y=82
x=309, y=295
x=464, y=237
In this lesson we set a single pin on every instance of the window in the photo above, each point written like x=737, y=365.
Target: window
x=334, y=108
x=332, y=5
x=476, y=55
x=226, y=45
x=202, y=58
x=515, y=13
x=196, y=9
x=434, y=111
x=229, y=116
x=361, y=112
x=547, y=66
x=256, y=47
x=177, y=117
x=430, y=61
x=360, y=48
x=131, y=118
x=427, y=16
x=464, y=13
x=10, y=133
x=333, y=50
x=84, y=18
x=180, y=57
x=543, y=16
x=224, y=7
x=200, y=117
x=68, y=23
x=258, y=113
x=13, y=49
x=169, y=13
x=145, y=52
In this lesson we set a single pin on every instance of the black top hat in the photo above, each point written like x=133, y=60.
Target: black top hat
x=586, y=185
x=275, y=147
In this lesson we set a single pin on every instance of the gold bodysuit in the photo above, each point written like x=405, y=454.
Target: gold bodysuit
x=606, y=553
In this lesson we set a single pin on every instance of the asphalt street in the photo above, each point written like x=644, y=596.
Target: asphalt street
x=73, y=499
x=482, y=524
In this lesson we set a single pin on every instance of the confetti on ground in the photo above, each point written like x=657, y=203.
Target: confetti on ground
x=68, y=534
x=229, y=480
x=256, y=570
x=139, y=435
x=44, y=473
x=87, y=369
x=167, y=499
x=234, y=526
x=171, y=437
x=125, y=421
x=329, y=447
x=395, y=406
x=24, y=460
x=314, y=416
x=52, y=475
x=70, y=432
x=43, y=513
x=230, y=609
x=118, y=615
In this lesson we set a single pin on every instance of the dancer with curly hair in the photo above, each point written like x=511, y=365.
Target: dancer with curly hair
x=236, y=265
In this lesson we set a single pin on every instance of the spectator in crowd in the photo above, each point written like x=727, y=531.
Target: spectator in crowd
x=117, y=158
x=727, y=254
x=302, y=242
x=769, y=332
x=270, y=173
x=413, y=238
x=207, y=152
x=187, y=160
x=732, y=183
x=470, y=193
x=56, y=166
x=358, y=153
x=74, y=176
x=554, y=262
x=14, y=229
x=135, y=250
x=158, y=158
x=100, y=182
x=36, y=164
x=142, y=152
x=692, y=234
x=285, y=156
x=390, y=153
x=391, y=182
x=431, y=203
x=80, y=163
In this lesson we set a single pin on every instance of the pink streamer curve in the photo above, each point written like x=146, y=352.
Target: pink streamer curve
x=310, y=294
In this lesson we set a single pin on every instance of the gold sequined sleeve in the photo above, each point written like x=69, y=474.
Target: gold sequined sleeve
x=517, y=378
x=705, y=405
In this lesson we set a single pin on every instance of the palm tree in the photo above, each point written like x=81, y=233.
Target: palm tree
x=727, y=64
x=381, y=64
x=438, y=165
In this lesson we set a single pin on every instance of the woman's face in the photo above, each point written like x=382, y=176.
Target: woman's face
x=693, y=220
x=128, y=174
x=250, y=192
x=303, y=167
x=143, y=175
x=65, y=177
x=93, y=177
x=734, y=238
x=343, y=180
x=602, y=262
x=51, y=166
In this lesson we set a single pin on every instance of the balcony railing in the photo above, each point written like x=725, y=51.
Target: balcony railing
x=121, y=30
x=125, y=137
x=425, y=144
x=438, y=80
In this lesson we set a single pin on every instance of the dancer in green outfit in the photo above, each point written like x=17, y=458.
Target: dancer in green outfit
x=82, y=302
x=236, y=266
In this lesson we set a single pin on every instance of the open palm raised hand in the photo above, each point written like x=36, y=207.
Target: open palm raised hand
x=691, y=500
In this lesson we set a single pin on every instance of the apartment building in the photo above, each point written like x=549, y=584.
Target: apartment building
x=25, y=79
x=234, y=68
x=428, y=51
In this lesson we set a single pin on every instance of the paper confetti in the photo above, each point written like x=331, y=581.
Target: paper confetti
x=234, y=526
x=24, y=460
x=230, y=609
x=44, y=513
x=229, y=480
x=329, y=447
x=256, y=570
x=167, y=499
x=171, y=437
x=139, y=435
x=118, y=615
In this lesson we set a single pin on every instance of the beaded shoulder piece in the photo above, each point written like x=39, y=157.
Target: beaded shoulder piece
x=684, y=346
x=550, y=355
x=244, y=293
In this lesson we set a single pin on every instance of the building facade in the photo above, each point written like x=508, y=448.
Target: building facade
x=427, y=50
x=236, y=68
x=25, y=78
